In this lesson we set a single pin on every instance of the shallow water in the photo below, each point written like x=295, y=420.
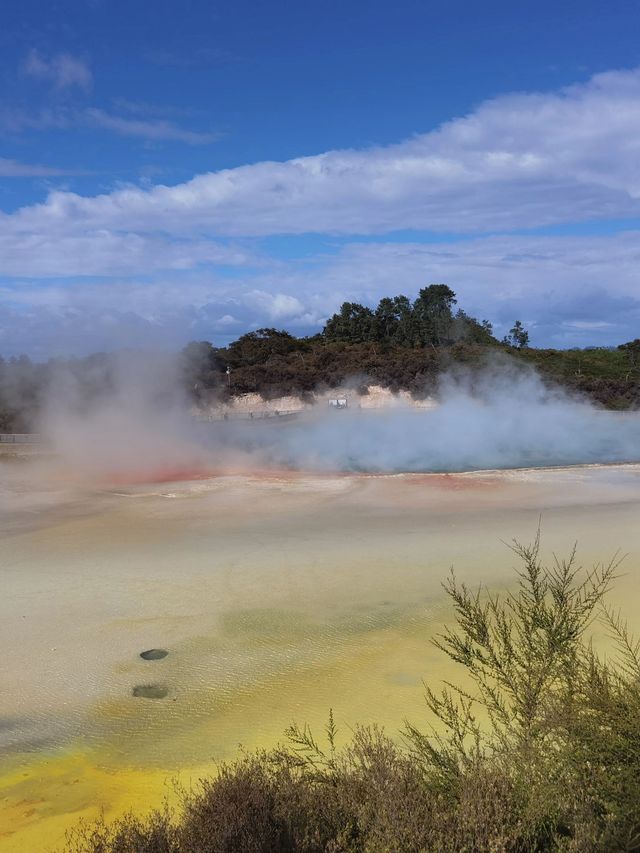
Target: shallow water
x=277, y=597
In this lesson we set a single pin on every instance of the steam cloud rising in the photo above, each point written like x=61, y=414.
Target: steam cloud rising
x=127, y=416
x=141, y=428
x=500, y=419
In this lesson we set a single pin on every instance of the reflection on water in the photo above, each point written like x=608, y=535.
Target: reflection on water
x=276, y=597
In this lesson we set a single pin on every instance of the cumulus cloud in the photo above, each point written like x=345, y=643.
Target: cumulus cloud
x=279, y=307
x=62, y=71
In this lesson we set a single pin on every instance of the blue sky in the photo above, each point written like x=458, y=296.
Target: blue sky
x=172, y=171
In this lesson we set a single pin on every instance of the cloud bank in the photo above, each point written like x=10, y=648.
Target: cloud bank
x=570, y=291
x=482, y=182
x=520, y=161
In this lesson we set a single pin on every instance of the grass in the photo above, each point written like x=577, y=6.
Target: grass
x=554, y=766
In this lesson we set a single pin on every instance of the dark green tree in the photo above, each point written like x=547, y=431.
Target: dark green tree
x=406, y=319
x=259, y=346
x=395, y=321
x=353, y=324
x=433, y=315
x=387, y=318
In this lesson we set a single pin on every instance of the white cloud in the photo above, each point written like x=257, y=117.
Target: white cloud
x=63, y=71
x=570, y=291
x=15, y=120
x=14, y=169
x=61, y=117
x=108, y=253
x=517, y=161
x=228, y=320
x=279, y=307
x=587, y=324
x=150, y=129
x=549, y=281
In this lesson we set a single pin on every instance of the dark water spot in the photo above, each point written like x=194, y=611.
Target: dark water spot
x=150, y=691
x=154, y=654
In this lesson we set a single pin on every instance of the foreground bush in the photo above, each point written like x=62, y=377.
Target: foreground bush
x=554, y=764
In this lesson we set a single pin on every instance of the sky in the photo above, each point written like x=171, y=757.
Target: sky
x=197, y=169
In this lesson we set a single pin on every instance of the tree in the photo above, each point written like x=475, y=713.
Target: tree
x=353, y=324
x=387, y=318
x=395, y=322
x=433, y=312
x=518, y=336
x=259, y=346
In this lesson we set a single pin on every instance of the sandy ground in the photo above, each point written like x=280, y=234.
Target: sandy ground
x=278, y=597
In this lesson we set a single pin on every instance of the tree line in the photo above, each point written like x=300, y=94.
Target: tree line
x=430, y=320
x=427, y=321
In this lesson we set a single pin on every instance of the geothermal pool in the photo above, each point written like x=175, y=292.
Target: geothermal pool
x=277, y=596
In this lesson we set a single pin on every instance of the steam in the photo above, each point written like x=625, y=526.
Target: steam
x=131, y=419
x=500, y=418
x=124, y=416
